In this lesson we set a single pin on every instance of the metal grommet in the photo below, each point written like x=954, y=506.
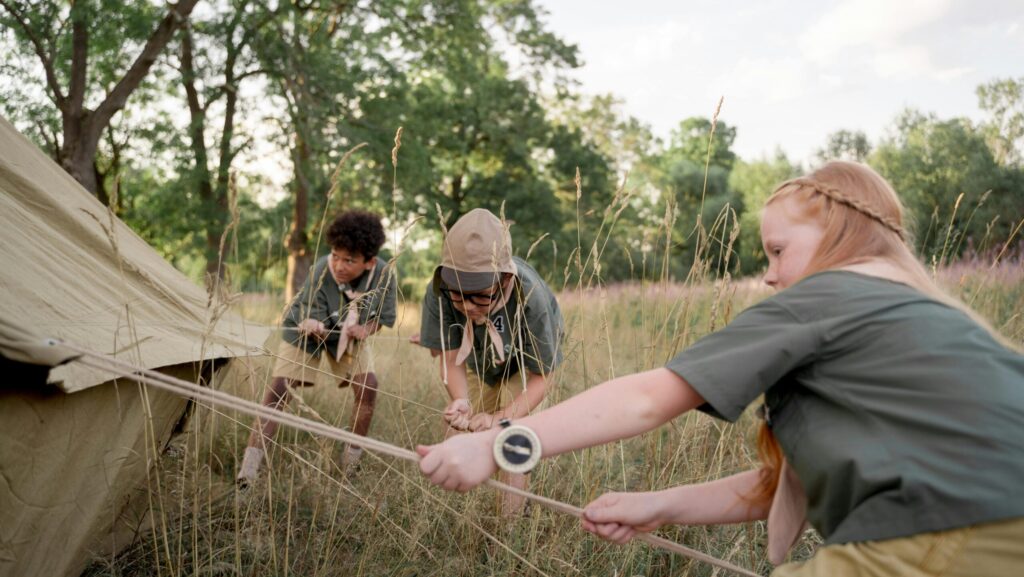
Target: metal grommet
x=517, y=449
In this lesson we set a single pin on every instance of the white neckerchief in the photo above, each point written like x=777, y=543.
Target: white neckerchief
x=351, y=315
x=495, y=337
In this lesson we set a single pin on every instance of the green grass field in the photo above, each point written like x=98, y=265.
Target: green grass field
x=305, y=518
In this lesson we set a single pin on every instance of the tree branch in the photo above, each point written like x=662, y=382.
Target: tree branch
x=79, y=64
x=40, y=49
x=117, y=97
x=197, y=122
x=51, y=142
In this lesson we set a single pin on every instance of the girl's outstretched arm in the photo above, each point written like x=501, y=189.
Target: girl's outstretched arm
x=619, y=517
x=616, y=409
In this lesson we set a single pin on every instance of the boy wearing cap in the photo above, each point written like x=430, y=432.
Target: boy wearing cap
x=346, y=298
x=490, y=312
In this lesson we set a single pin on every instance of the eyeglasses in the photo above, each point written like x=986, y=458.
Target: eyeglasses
x=479, y=299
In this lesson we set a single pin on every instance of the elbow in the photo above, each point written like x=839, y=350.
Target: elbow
x=657, y=397
x=648, y=409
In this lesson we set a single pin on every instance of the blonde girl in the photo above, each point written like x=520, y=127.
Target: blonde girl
x=894, y=414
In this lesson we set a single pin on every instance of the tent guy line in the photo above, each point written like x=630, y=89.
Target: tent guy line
x=340, y=378
x=191, y=390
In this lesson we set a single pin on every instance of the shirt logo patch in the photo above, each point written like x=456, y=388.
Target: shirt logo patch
x=499, y=323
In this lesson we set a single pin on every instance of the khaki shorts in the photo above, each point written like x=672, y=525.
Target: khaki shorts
x=298, y=365
x=988, y=550
x=488, y=399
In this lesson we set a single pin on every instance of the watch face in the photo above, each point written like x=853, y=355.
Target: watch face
x=517, y=449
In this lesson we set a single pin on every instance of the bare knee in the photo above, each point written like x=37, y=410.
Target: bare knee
x=277, y=393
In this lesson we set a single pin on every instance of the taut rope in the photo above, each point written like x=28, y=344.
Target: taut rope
x=184, y=388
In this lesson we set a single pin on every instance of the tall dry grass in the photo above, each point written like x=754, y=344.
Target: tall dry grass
x=305, y=517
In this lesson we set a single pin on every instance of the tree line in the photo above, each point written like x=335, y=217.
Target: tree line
x=178, y=116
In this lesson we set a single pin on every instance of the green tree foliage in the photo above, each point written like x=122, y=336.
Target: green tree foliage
x=475, y=132
x=753, y=182
x=931, y=163
x=90, y=56
x=303, y=51
x=615, y=216
x=1003, y=99
x=692, y=174
x=850, y=145
x=223, y=41
x=489, y=119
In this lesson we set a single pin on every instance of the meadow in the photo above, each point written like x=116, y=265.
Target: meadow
x=305, y=517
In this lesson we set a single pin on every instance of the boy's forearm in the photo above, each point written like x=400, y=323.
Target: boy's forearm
x=454, y=376
x=527, y=400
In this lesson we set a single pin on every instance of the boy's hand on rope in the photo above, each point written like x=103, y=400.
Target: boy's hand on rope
x=618, y=517
x=359, y=332
x=312, y=327
x=460, y=463
x=457, y=414
x=482, y=422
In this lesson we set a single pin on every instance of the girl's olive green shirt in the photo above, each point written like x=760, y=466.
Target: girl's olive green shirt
x=900, y=414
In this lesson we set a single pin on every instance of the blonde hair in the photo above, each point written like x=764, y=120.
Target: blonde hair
x=862, y=218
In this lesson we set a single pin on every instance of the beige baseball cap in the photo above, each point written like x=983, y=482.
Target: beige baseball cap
x=476, y=251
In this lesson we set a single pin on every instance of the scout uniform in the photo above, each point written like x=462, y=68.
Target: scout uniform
x=371, y=297
x=899, y=415
x=524, y=329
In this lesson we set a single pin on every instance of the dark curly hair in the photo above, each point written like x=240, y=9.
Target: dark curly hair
x=357, y=231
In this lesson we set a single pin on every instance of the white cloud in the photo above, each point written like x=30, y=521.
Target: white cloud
x=902, y=61
x=831, y=80
x=869, y=24
x=665, y=41
x=951, y=74
x=762, y=78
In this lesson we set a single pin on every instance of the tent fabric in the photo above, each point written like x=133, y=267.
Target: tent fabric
x=19, y=345
x=74, y=486
x=71, y=270
x=75, y=458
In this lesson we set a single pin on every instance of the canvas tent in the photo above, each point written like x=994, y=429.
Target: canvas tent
x=76, y=443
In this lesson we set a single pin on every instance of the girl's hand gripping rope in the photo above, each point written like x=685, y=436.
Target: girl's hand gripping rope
x=460, y=463
x=618, y=517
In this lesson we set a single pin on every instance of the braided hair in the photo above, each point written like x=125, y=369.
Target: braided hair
x=837, y=195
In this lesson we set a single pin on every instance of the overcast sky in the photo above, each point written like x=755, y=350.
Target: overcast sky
x=792, y=71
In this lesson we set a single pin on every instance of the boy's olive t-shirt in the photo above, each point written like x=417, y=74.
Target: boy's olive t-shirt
x=900, y=414
x=530, y=325
x=323, y=299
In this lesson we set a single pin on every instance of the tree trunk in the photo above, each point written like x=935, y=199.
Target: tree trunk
x=222, y=185
x=297, y=241
x=214, y=190
x=83, y=128
x=457, y=199
x=78, y=159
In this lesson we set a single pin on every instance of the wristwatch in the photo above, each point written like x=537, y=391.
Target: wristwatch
x=516, y=448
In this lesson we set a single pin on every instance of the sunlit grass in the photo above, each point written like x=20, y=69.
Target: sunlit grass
x=306, y=518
